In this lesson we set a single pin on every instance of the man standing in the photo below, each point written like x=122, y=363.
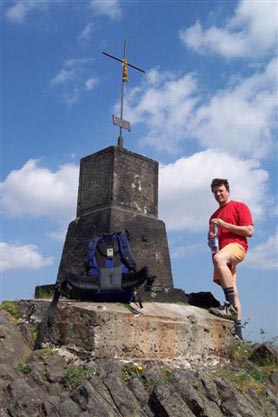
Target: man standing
x=234, y=222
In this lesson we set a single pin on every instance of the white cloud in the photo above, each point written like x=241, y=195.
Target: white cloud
x=185, y=199
x=63, y=76
x=239, y=119
x=91, y=83
x=87, y=32
x=74, y=79
x=252, y=32
x=18, y=12
x=22, y=256
x=36, y=191
x=109, y=8
x=58, y=235
x=264, y=256
x=180, y=252
x=165, y=105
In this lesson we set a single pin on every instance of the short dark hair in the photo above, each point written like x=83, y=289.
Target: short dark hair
x=216, y=182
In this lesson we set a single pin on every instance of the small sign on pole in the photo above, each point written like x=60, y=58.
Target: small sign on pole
x=124, y=124
x=119, y=121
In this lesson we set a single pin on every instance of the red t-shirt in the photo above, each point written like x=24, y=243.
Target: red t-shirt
x=235, y=213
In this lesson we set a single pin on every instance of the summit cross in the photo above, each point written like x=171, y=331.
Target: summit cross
x=119, y=121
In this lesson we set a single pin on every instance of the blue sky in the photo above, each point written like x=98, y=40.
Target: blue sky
x=206, y=107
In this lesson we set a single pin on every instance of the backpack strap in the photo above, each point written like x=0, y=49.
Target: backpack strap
x=48, y=319
x=91, y=264
x=126, y=252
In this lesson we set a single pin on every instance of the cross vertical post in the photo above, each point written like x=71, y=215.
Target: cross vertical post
x=119, y=121
x=124, y=79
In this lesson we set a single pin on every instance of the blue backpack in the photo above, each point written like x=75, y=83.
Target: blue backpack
x=110, y=271
x=110, y=275
x=109, y=251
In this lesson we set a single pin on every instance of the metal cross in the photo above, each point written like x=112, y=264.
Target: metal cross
x=119, y=121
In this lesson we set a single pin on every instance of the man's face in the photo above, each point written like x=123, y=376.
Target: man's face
x=221, y=194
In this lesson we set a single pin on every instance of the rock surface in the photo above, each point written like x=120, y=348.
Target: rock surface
x=66, y=380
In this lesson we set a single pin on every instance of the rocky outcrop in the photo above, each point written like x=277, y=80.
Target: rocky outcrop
x=70, y=380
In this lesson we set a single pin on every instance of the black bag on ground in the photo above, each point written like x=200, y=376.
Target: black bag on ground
x=202, y=299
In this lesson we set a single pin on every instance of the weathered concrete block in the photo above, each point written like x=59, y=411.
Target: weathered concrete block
x=158, y=331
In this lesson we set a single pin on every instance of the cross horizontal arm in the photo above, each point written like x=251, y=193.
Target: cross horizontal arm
x=133, y=66
x=120, y=60
x=111, y=56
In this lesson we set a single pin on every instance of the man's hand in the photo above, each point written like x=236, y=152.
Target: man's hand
x=246, y=231
x=218, y=222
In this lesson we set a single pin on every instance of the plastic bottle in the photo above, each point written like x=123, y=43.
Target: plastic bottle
x=214, y=242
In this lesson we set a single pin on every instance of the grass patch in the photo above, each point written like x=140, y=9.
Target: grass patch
x=46, y=353
x=243, y=380
x=240, y=352
x=247, y=376
x=35, y=331
x=131, y=371
x=25, y=368
x=74, y=376
x=11, y=308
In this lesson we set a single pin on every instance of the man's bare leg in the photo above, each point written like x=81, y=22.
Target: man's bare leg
x=221, y=262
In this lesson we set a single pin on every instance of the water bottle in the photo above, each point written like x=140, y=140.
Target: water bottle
x=214, y=242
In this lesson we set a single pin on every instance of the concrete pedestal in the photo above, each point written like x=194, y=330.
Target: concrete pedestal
x=156, y=332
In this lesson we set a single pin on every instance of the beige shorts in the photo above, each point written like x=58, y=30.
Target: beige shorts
x=237, y=254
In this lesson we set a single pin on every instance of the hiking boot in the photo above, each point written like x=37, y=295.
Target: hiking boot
x=227, y=311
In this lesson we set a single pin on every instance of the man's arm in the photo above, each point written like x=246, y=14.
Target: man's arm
x=246, y=231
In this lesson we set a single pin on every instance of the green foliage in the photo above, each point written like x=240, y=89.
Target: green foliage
x=240, y=352
x=131, y=371
x=244, y=380
x=137, y=371
x=244, y=375
x=11, y=308
x=25, y=368
x=75, y=375
x=168, y=375
x=46, y=353
x=34, y=329
x=257, y=375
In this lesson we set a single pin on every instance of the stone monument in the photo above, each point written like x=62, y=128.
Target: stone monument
x=118, y=190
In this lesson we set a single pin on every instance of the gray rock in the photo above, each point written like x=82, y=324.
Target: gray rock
x=264, y=354
x=165, y=401
x=88, y=399
x=274, y=378
x=37, y=383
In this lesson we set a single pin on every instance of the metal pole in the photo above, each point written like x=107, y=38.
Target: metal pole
x=120, y=139
x=119, y=121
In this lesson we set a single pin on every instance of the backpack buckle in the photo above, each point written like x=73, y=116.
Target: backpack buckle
x=109, y=252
